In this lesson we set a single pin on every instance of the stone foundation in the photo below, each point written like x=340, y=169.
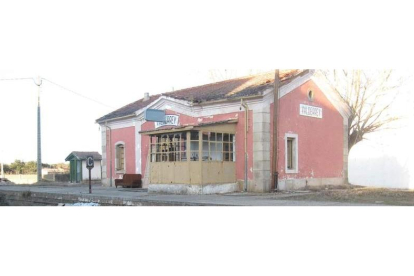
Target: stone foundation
x=298, y=184
x=186, y=189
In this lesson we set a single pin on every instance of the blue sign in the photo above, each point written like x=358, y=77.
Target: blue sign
x=154, y=115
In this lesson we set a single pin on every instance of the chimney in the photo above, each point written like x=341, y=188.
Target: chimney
x=146, y=97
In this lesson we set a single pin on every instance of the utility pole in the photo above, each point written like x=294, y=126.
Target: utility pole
x=39, y=144
x=2, y=161
x=275, y=173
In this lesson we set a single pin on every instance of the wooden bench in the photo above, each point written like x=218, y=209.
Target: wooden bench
x=129, y=180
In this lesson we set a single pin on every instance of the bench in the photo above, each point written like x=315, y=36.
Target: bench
x=129, y=180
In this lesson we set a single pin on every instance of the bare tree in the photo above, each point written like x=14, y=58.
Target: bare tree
x=370, y=95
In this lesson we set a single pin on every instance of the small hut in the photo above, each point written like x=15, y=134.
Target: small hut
x=78, y=171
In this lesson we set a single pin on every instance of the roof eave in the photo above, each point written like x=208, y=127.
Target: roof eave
x=116, y=118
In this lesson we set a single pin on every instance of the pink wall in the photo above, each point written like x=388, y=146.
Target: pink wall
x=126, y=135
x=187, y=120
x=320, y=140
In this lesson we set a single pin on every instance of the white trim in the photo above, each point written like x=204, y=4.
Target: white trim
x=333, y=96
x=295, y=83
x=121, y=123
x=116, y=169
x=207, y=109
x=230, y=106
x=289, y=87
x=295, y=152
x=138, y=158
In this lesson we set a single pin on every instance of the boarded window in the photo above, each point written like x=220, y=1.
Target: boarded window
x=120, y=157
x=291, y=153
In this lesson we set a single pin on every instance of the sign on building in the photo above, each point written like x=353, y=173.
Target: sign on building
x=170, y=120
x=154, y=115
x=310, y=111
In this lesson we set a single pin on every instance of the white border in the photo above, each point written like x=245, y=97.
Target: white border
x=296, y=152
x=115, y=145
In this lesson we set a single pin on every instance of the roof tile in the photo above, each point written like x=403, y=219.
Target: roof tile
x=228, y=89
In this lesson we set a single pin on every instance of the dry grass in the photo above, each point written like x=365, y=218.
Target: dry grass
x=362, y=195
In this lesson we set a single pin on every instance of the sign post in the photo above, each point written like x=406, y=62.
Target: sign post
x=90, y=164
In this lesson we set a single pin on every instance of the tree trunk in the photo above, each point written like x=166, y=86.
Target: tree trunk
x=354, y=138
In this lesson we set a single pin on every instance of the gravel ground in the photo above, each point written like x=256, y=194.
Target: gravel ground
x=362, y=195
x=329, y=196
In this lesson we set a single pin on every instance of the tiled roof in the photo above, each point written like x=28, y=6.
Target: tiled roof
x=82, y=155
x=228, y=89
x=129, y=109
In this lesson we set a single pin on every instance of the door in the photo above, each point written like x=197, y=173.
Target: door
x=78, y=171
x=72, y=171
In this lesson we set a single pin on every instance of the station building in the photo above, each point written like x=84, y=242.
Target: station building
x=218, y=137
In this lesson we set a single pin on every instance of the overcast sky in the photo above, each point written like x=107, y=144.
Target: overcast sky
x=110, y=53
x=115, y=52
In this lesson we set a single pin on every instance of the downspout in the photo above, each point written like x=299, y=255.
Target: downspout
x=246, y=129
x=110, y=153
x=275, y=173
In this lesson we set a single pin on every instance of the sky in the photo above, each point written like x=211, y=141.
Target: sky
x=103, y=51
x=67, y=119
x=116, y=53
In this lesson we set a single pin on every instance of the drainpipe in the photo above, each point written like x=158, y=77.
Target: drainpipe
x=275, y=173
x=110, y=153
x=246, y=129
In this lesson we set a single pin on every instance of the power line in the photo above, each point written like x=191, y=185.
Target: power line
x=78, y=94
x=64, y=88
x=16, y=79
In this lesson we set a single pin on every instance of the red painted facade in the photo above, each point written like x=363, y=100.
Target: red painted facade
x=127, y=136
x=320, y=141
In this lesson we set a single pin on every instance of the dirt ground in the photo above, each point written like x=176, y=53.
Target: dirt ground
x=356, y=194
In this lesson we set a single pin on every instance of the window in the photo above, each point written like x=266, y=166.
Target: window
x=194, y=145
x=169, y=147
x=173, y=147
x=311, y=95
x=120, y=157
x=291, y=153
x=218, y=147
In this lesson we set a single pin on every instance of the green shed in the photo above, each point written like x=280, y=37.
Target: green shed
x=78, y=171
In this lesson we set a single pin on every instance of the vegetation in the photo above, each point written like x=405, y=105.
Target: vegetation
x=369, y=94
x=21, y=167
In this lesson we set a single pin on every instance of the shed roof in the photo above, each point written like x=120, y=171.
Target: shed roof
x=82, y=155
x=228, y=89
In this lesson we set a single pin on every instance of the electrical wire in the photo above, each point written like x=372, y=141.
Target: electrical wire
x=78, y=94
x=16, y=79
x=62, y=87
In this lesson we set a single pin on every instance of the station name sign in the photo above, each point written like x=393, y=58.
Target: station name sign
x=310, y=111
x=170, y=120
